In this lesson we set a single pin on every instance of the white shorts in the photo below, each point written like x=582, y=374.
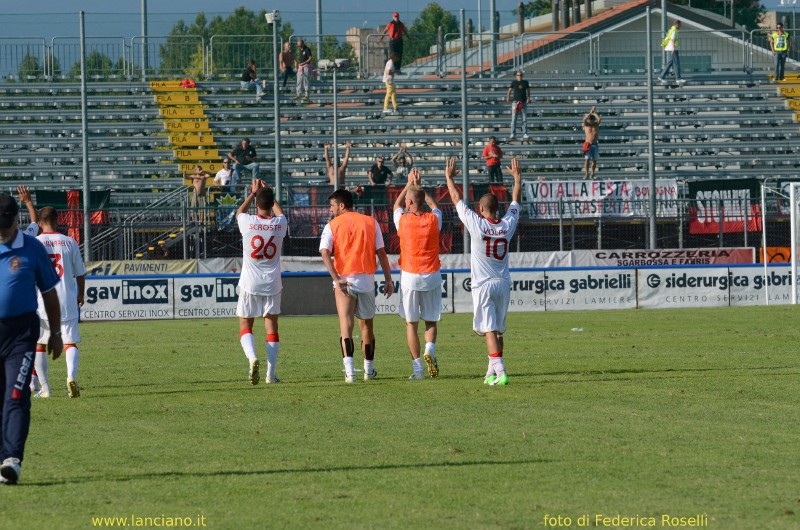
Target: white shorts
x=420, y=304
x=256, y=305
x=490, y=303
x=365, y=304
x=69, y=331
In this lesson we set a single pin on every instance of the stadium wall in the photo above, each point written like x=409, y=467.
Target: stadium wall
x=152, y=297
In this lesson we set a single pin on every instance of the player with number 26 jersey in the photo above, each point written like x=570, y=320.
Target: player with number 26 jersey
x=262, y=244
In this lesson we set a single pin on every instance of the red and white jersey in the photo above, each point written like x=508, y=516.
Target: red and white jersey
x=262, y=246
x=489, y=242
x=65, y=255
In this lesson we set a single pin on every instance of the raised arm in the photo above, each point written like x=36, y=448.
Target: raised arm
x=450, y=172
x=516, y=172
x=346, y=158
x=254, y=187
x=25, y=197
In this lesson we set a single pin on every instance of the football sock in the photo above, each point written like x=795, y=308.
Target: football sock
x=416, y=365
x=430, y=347
x=367, y=366
x=273, y=345
x=72, y=362
x=369, y=351
x=349, y=366
x=496, y=363
x=34, y=380
x=248, y=344
x=40, y=363
x=348, y=347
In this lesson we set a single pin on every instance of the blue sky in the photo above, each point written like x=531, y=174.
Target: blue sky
x=48, y=18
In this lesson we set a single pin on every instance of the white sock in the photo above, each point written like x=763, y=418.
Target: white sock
x=72, y=363
x=40, y=363
x=367, y=366
x=497, y=365
x=416, y=365
x=349, y=366
x=430, y=347
x=248, y=346
x=272, y=358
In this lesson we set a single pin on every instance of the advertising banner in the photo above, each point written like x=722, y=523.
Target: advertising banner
x=123, y=268
x=128, y=299
x=205, y=297
x=750, y=288
x=589, y=199
x=734, y=201
x=391, y=305
x=684, y=256
x=690, y=287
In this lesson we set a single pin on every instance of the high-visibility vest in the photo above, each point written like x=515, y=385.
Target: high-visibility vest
x=780, y=41
x=672, y=31
x=353, y=244
x=419, y=243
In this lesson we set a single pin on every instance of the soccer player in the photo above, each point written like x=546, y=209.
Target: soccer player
x=490, y=238
x=65, y=254
x=260, y=283
x=420, y=279
x=349, y=244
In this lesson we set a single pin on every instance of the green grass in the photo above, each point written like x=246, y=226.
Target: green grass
x=644, y=413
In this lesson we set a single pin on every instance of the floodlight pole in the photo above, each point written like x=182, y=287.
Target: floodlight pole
x=276, y=100
x=793, y=235
x=145, y=60
x=651, y=157
x=87, y=227
x=464, y=126
x=335, y=132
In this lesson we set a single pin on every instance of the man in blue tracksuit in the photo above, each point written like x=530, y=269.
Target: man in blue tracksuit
x=24, y=267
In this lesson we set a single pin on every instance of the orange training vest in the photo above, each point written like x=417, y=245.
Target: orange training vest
x=353, y=244
x=419, y=243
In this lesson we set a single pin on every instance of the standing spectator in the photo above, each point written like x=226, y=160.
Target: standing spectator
x=65, y=253
x=224, y=177
x=493, y=156
x=396, y=31
x=490, y=238
x=379, y=174
x=287, y=62
x=780, y=44
x=391, y=93
x=244, y=157
x=198, y=197
x=304, y=66
x=671, y=43
x=336, y=177
x=402, y=162
x=420, y=277
x=349, y=244
x=591, y=149
x=24, y=268
x=260, y=284
x=249, y=80
x=519, y=95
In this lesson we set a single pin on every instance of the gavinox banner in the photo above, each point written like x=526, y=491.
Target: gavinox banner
x=582, y=199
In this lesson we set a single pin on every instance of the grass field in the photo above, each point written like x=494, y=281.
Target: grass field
x=642, y=414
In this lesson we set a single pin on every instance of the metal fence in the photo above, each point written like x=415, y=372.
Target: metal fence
x=603, y=54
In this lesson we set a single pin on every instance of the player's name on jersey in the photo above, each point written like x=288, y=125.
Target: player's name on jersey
x=789, y=91
x=192, y=139
x=197, y=154
x=169, y=86
x=182, y=112
x=211, y=167
x=187, y=126
x=189, y=98
x=793, y=104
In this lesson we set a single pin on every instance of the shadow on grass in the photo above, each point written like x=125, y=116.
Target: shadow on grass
x=267, y=472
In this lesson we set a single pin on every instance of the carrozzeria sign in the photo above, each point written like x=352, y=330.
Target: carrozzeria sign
x=214, y=296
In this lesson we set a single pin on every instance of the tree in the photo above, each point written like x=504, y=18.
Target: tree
x=748, y=12
x=535, y=8
x=97, y=64
x=424, y=31
x=29, y=67
x=333, y=49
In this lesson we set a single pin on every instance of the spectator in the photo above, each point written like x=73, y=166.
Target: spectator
x=671, y=43
x=244, y=157
x=25, y=268
x=519, y=95
x=591, y=149
x=391, y=93
x=780, y=43
x=396, y=31
x=378, y=174
x=287, y=62
x=493, y=156
x=348, y=247
x=336, y=177
x=402, y=162
x=224, y=177
x=304, y=67
x=249, y=80
x=198, y=196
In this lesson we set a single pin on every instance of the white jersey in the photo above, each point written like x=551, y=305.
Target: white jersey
x=262, y=246
x=65, y=254
x=32, y=230
x=489, y=243
x=223, y=177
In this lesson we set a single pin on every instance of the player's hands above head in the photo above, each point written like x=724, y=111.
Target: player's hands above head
x=450, y=170
x=515, y=169
x=24, y=194
x=414, y=178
